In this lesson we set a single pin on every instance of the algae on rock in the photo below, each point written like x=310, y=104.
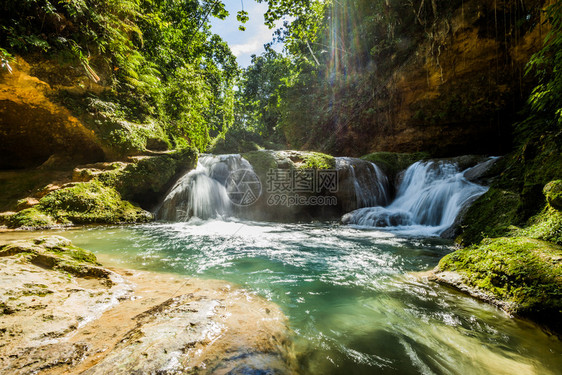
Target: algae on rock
x=524, y=275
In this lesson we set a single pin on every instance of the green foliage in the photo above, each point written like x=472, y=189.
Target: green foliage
x=546, y=99
x=258, y=99
x=525, y=272
x=157, y=57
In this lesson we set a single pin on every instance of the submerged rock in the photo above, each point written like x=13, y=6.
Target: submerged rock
x=65, y=314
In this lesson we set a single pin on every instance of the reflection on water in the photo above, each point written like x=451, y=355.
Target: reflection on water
x=348, y=293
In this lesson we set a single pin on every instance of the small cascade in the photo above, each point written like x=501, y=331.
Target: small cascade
x=431, y=195
x=201, y=192
x=364, y=182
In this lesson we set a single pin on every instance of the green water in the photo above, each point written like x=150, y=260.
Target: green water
x=349, y=294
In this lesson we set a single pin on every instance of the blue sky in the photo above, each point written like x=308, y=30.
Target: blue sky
x=244, y=44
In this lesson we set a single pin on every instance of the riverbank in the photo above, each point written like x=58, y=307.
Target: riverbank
x=64, y=312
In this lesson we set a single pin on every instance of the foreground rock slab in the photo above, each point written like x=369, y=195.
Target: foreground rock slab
x=59, y=319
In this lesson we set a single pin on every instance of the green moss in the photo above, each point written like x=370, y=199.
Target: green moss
x=90, y=202
x=120, y=136
x=36, y=292
x=262, y=161
x=64, y=248
x=30, y=218
x=317, y=160
x=546, y=226
x=492, y=215
x=56, y=253
x=392, y=163
x=553, y=194
x=523, y=271
x=149, y=178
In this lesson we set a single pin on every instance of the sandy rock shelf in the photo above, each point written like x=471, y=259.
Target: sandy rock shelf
x=118, y=321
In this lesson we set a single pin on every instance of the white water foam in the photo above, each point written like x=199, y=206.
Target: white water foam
x=428, y=201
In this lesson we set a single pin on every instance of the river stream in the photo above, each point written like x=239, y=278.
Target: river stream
x=353, y=296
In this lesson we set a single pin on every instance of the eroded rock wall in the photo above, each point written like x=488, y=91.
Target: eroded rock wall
x=460, y=88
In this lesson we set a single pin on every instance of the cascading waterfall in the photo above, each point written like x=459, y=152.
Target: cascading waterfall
x=429, y=198
x=201, y=192
x=370, y=184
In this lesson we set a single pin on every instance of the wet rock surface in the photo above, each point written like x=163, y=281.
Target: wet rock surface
x=54, y=321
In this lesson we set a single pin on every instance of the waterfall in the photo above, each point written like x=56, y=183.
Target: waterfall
x=362, y=183
x=201, y=192
x=428, y=200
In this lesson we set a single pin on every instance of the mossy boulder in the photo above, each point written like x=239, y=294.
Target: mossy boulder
x=281, y=204
x=553, y=194
x=90, y=202
x=547, y=226
x=147, y=179
x=30, y=218
x=262, y=161
x=518, y=193
x=58, y=253
x=492, y=215
x=524, y=273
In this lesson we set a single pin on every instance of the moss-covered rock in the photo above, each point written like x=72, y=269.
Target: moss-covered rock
x=262, y=161
x=516, y=194
x=90, y=202
x=525, y=273
x=30, y=218
x=553, y=194
x=147, y=179
x=317, y=160
x=100, y=192
x=392, y=162
x=546, y=226
x=56, y=253
x=492, y=215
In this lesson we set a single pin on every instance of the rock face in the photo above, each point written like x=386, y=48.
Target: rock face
x=357, y=183
x=519, y=274
x=553, y=194
x=93, y=193
x=66, y=314
x=33, y=127
x=458, y=88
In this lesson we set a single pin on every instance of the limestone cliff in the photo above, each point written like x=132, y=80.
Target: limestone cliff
x=33, y=127
x=52, y=111
x=452, y=85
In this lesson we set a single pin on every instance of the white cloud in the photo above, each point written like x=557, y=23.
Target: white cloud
x=255, y=44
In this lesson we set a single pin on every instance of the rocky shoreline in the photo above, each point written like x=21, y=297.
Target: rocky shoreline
x=62, y=312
